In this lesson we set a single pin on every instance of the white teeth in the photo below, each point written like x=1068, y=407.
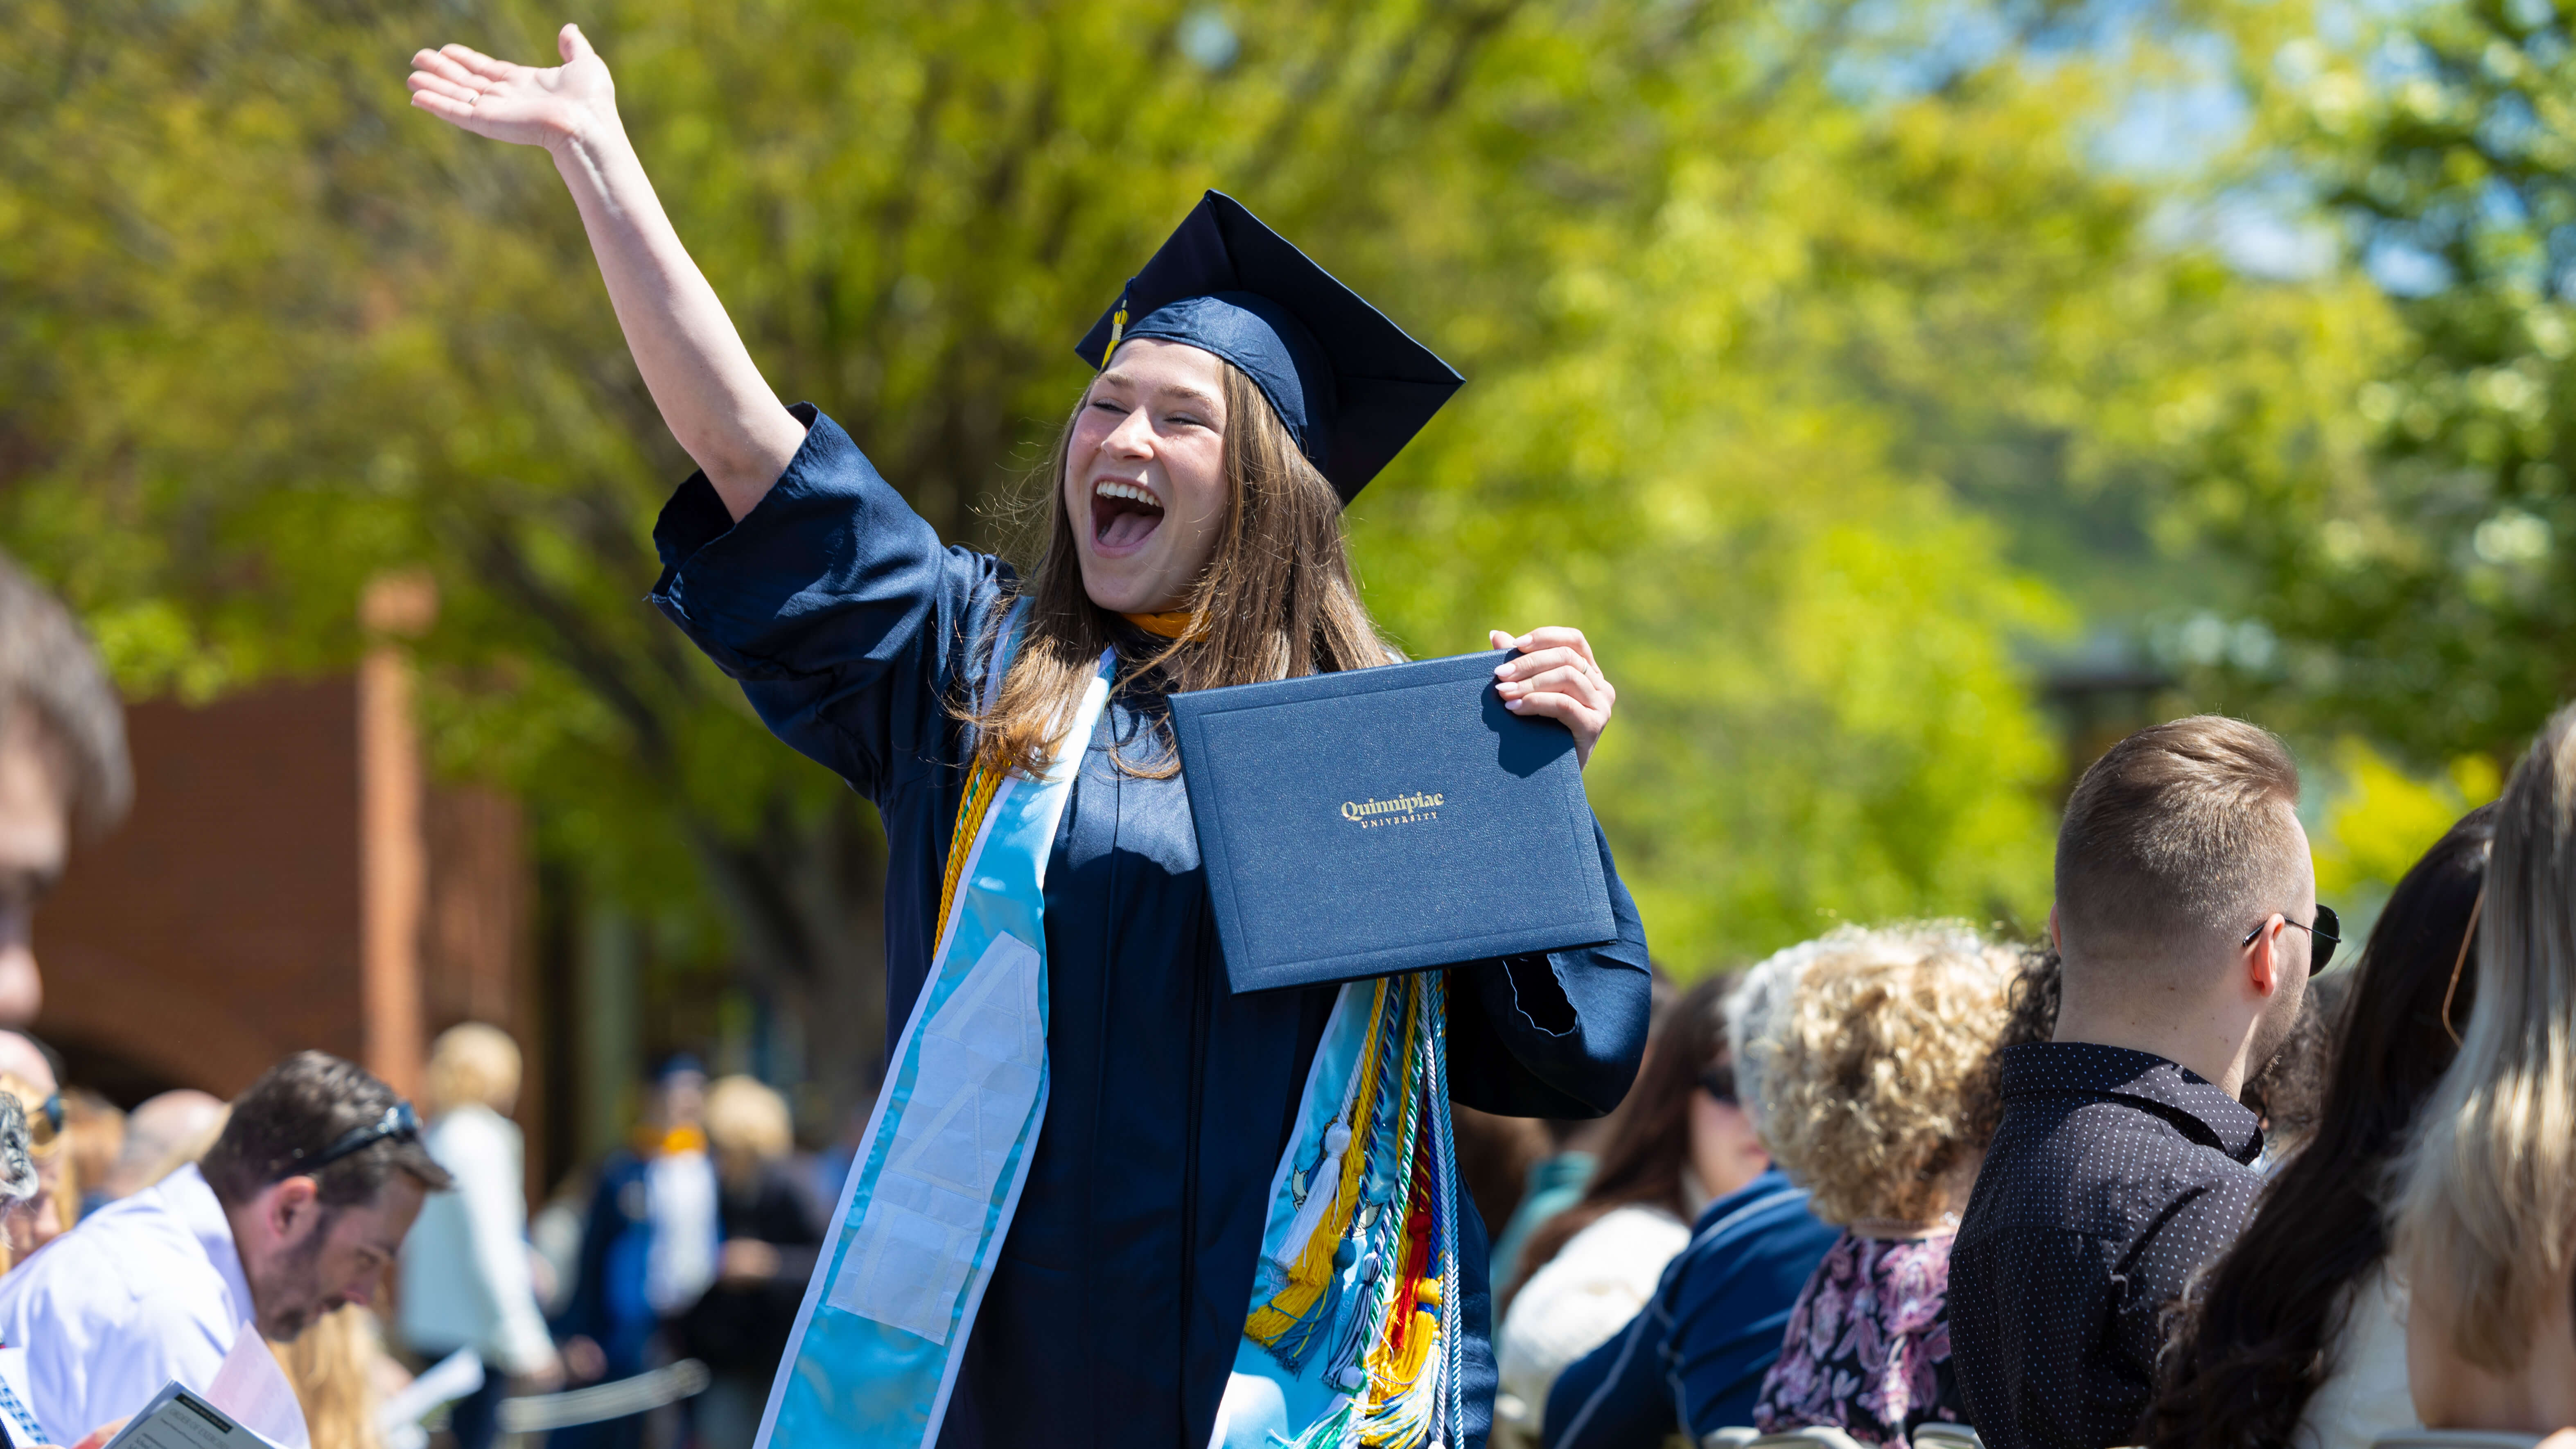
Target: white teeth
x=1110, y=488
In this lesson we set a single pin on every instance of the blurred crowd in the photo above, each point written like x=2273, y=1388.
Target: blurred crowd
x=694, y=1244
x=1915, y=1185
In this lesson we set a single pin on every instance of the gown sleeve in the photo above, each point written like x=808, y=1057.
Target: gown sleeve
x=833, y=603
x=1557, y=1035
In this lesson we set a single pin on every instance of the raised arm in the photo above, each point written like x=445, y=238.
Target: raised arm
x=711, y=394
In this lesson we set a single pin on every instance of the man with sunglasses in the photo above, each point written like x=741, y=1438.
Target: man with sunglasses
x=2188, y=924
x=300, y=1206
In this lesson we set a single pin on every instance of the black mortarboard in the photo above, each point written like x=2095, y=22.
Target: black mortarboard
x=1350, y=386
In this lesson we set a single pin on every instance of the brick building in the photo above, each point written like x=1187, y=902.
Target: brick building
x=289, y=879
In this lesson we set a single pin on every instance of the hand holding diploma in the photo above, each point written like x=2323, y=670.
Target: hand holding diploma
x=1557, y=678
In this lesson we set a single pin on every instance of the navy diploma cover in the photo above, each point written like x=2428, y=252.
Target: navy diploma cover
x=1385, y=820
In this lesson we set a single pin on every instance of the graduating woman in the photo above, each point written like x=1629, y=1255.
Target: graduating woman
x=1105, y=1199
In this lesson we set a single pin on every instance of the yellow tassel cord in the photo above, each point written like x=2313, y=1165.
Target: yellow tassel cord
x=980, y=789
x=1117, y=330
x=1314, y=1266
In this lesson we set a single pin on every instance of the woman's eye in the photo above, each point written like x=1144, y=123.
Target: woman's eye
x=1109, y=407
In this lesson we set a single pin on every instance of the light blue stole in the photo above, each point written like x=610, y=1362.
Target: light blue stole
x=876, y=1346
x=1352, y=1329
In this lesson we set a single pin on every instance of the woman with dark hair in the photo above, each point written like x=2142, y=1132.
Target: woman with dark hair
x=1104, y=1198
x=2296, y=1339
x=1679, y=1142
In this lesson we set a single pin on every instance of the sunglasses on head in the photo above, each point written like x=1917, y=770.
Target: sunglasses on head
x=2325, y=929
x=399, y=1121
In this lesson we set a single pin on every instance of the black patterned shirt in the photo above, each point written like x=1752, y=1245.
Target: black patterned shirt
x=2115, y=1174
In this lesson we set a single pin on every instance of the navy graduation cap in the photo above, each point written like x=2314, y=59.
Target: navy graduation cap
x=1351, y=387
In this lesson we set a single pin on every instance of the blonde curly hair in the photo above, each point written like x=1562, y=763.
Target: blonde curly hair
x=1875, y=1073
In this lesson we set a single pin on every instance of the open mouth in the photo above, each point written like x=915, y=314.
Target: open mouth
x=1123, y=515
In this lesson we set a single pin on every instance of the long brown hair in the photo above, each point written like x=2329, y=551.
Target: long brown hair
x=2253, y=1342
x=1276, y=600
x=1650, y=1142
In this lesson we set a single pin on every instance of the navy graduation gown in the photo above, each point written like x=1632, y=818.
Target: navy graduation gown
x=1120, y=1294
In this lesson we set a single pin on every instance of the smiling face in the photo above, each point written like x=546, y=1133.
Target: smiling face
x=1144, y=476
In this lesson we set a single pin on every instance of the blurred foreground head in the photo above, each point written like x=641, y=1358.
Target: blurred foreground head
x=2486, y=1205
x=320, y=1170
x=63, y=766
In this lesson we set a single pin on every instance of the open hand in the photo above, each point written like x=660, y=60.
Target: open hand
x=1555, y=678
x=517, y=103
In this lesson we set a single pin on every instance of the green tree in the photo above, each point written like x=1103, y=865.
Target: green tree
x=1740, y=333
x=2410, y=520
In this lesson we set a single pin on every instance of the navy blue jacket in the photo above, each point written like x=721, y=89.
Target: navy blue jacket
x=1113, y=1315
x=1693, y=1358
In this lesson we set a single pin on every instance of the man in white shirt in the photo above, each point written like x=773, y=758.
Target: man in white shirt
x=300, y=1206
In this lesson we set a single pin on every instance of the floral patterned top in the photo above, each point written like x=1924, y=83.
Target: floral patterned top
x=1868, y=1346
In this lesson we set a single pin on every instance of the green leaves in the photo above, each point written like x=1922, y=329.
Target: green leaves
x=1739, y=340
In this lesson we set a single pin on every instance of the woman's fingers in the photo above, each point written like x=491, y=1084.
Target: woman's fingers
x=1582, y=684
x=479, y=63
x=1531, y=666
x=423, y=83
x=1554, y=636
x=571, y=44
x=445, y=68
x=442, y=107
x=1555, y=677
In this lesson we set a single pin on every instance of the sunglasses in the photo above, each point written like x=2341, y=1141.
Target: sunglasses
x=1719, y=1082
x=398, y=1121
x=2325, y=930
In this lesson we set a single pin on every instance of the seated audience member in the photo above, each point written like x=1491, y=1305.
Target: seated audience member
x=1557, y=1180
x=95, y=1128
x=1880, y=1100
x=1496, y=1157
x=1555, y=1183
x=30, y=1072
x=1693, y=1358
x=2297, y=1338
x=2187, y=923
x=162, y=1135
x=1676, y=1147
x=465, y=1276
x=299, y=1206
x=342, y=1376
x=773, y=1232
x=47, y=1215
x=19, y=1185
x=2485, y=1220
